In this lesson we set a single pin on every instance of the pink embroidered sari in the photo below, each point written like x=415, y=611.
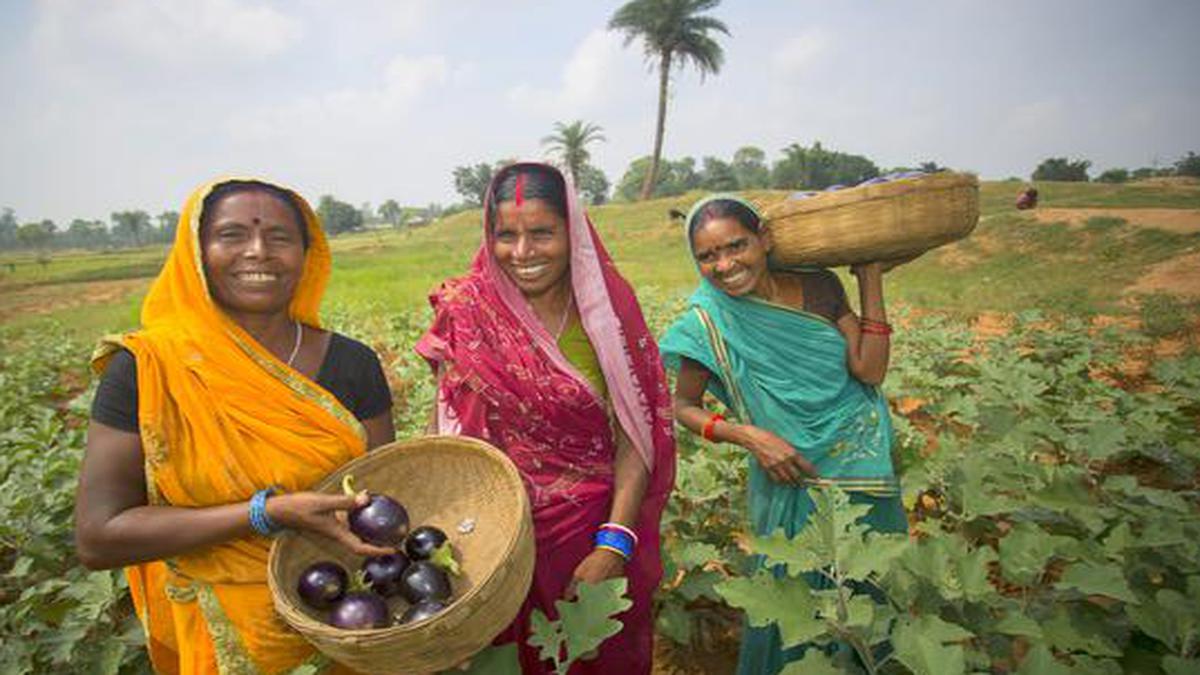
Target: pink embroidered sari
x=504, y=380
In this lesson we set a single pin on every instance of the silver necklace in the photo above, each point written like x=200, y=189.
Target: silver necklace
x=562, y=323
x=296, y=347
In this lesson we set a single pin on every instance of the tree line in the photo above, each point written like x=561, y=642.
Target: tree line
x=135, y=228
x=1077, y=170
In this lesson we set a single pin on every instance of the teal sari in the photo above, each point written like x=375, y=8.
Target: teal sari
x=785, y=370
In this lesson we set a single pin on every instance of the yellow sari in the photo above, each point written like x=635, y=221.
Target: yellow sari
x=220, y=417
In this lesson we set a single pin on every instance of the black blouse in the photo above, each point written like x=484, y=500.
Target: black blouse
x=351, y=372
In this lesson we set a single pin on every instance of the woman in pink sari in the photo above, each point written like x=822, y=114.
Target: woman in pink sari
x=542, y=350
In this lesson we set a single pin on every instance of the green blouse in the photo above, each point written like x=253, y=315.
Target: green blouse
x=578, y=349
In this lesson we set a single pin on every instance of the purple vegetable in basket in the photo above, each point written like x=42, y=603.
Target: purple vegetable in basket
x=430, y=543
x=382, y=573
x=422, y=611
x=322, y=584
x=424, y=581
x=382, y=521
x=359, y=610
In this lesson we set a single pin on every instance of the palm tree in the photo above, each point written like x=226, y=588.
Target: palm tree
x=570, y=141
x=673, y=32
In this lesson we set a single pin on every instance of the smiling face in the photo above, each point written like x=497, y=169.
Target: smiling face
x=732, y=256
x=530, y=244
x=253, y=252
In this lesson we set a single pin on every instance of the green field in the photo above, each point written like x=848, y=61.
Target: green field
x=1010, y=263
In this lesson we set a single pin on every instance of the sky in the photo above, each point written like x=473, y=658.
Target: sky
x=129, y=104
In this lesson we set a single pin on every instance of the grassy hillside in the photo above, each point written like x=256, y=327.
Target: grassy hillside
x=1011, y=262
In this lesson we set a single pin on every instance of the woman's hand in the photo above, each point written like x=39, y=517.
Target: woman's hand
x=599, y=565
x=778, y=458
x=322, y=514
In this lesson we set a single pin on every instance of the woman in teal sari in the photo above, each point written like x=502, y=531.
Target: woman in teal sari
x=782, y=350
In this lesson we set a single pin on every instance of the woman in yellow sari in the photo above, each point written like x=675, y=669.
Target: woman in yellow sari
x=212, y=421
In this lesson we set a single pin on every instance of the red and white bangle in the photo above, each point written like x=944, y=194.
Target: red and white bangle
x=707, y=431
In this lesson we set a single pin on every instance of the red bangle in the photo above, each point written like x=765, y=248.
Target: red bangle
x=711, y=424
x=873, y=327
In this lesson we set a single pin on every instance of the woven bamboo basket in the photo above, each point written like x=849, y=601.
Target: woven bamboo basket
x=473, y=493
x=896, y=220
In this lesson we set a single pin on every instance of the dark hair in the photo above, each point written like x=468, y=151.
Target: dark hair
x=233, y=187
x=724, y=208
x=537, y=182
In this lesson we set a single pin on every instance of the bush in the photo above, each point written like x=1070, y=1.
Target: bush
x=1114, y=176
x=1062, y=169
x=1188, y=165
x=1162, y=314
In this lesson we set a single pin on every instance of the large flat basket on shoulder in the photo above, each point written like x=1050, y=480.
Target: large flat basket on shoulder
x=474, y=493
x=893, y=220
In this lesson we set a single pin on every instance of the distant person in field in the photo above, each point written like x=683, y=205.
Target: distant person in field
x=213, y=421
x=798, y=372
x=542, y=350
x=1027, y=199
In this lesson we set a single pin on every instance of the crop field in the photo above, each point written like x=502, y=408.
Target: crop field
x=1045, y=382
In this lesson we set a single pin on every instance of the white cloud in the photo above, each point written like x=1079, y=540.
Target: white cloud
x=591, y=77
x=196, y=32
x=355, y=112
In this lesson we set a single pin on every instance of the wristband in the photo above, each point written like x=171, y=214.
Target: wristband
x=707, y=431
x=259, y=520
x=615, y=541
x=617, y=527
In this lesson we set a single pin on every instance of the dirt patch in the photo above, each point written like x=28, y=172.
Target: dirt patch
x=1178, y=276
x=1179, y=221
x=40, y=300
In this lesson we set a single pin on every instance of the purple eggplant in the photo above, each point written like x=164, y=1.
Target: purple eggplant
x=359, y=610
x=383, y=572
x=422, y=611
x=424, y=581
x=430, y=543
x=322, y=584
x=382, y=521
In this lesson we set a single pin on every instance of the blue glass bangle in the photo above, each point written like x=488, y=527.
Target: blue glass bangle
x=615, y=540
x=259, y=520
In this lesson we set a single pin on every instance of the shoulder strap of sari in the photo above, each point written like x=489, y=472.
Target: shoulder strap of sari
x=725, y=364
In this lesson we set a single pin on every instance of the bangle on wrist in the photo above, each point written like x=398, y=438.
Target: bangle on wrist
x=707, y=431
x=873, y=327
x=259, y=520
x=617, y=527
x=616, y=541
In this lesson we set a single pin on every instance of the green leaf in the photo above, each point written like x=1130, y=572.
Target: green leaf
x=860, y=611
x=695, y=554
x=1040, y=661
x=1173, y=665
x=1173, y=618
x=1096, y=579
x=587, y=621
x=786, y=602
x=1026, y=550
x=21, y=568
x=1016, y=623
x=546, y=635
x=497, y=660
x=674, y=622
x=813, y=663
x=874, y=554
x=925, y=654
x=1072, y=632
